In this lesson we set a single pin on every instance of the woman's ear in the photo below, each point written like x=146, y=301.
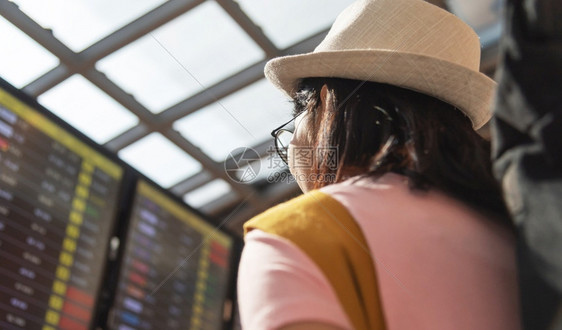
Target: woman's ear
x=324, y=97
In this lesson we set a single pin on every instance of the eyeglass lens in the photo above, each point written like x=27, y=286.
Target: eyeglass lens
x=282, y=141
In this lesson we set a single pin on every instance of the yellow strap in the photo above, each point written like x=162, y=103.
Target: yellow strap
x=323, y=228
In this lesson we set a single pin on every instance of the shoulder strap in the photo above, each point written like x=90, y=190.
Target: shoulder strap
x=323, y=228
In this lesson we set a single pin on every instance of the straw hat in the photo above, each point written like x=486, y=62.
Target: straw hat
x=406, y=43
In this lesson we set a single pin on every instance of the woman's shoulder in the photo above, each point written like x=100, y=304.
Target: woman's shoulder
x=393, y=193
x=312, y=209
x=300, y=214
x=384, y=184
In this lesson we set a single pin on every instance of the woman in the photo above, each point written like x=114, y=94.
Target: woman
x=401, y=225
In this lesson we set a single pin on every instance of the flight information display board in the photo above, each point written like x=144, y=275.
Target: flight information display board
x=58, y=202
x=175, y=270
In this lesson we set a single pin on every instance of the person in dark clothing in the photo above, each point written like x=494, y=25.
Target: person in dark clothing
x=527, y=151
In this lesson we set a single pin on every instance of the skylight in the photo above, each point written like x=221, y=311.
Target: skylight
x=88, y=109
x=207, y=193
x=80, y=23
x=160, y=160
x=243, y=119
x=288, y=21
x=182, y=57
x=23, y=59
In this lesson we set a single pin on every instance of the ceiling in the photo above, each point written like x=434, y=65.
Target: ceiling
x=176, y=87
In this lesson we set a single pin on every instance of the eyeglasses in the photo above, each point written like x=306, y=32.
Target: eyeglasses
x=283, y=136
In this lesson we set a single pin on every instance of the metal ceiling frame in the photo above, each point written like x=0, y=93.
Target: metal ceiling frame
x=84, y=63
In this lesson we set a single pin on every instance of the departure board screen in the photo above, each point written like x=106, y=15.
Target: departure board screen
x=175, y=270
x=58, y=201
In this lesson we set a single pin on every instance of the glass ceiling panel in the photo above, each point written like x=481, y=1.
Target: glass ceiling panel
x=23, y=60
x=80, y=23
x=207, y=193
x=286, y=22
x=201, y=47
x=88, y=109
x=161, y=160
x=242, y=119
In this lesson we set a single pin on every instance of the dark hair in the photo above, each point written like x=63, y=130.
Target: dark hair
x=378, y=128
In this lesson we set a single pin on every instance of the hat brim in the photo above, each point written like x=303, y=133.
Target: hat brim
x=470, y=91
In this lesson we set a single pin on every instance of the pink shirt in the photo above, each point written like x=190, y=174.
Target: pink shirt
x=439, y=264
